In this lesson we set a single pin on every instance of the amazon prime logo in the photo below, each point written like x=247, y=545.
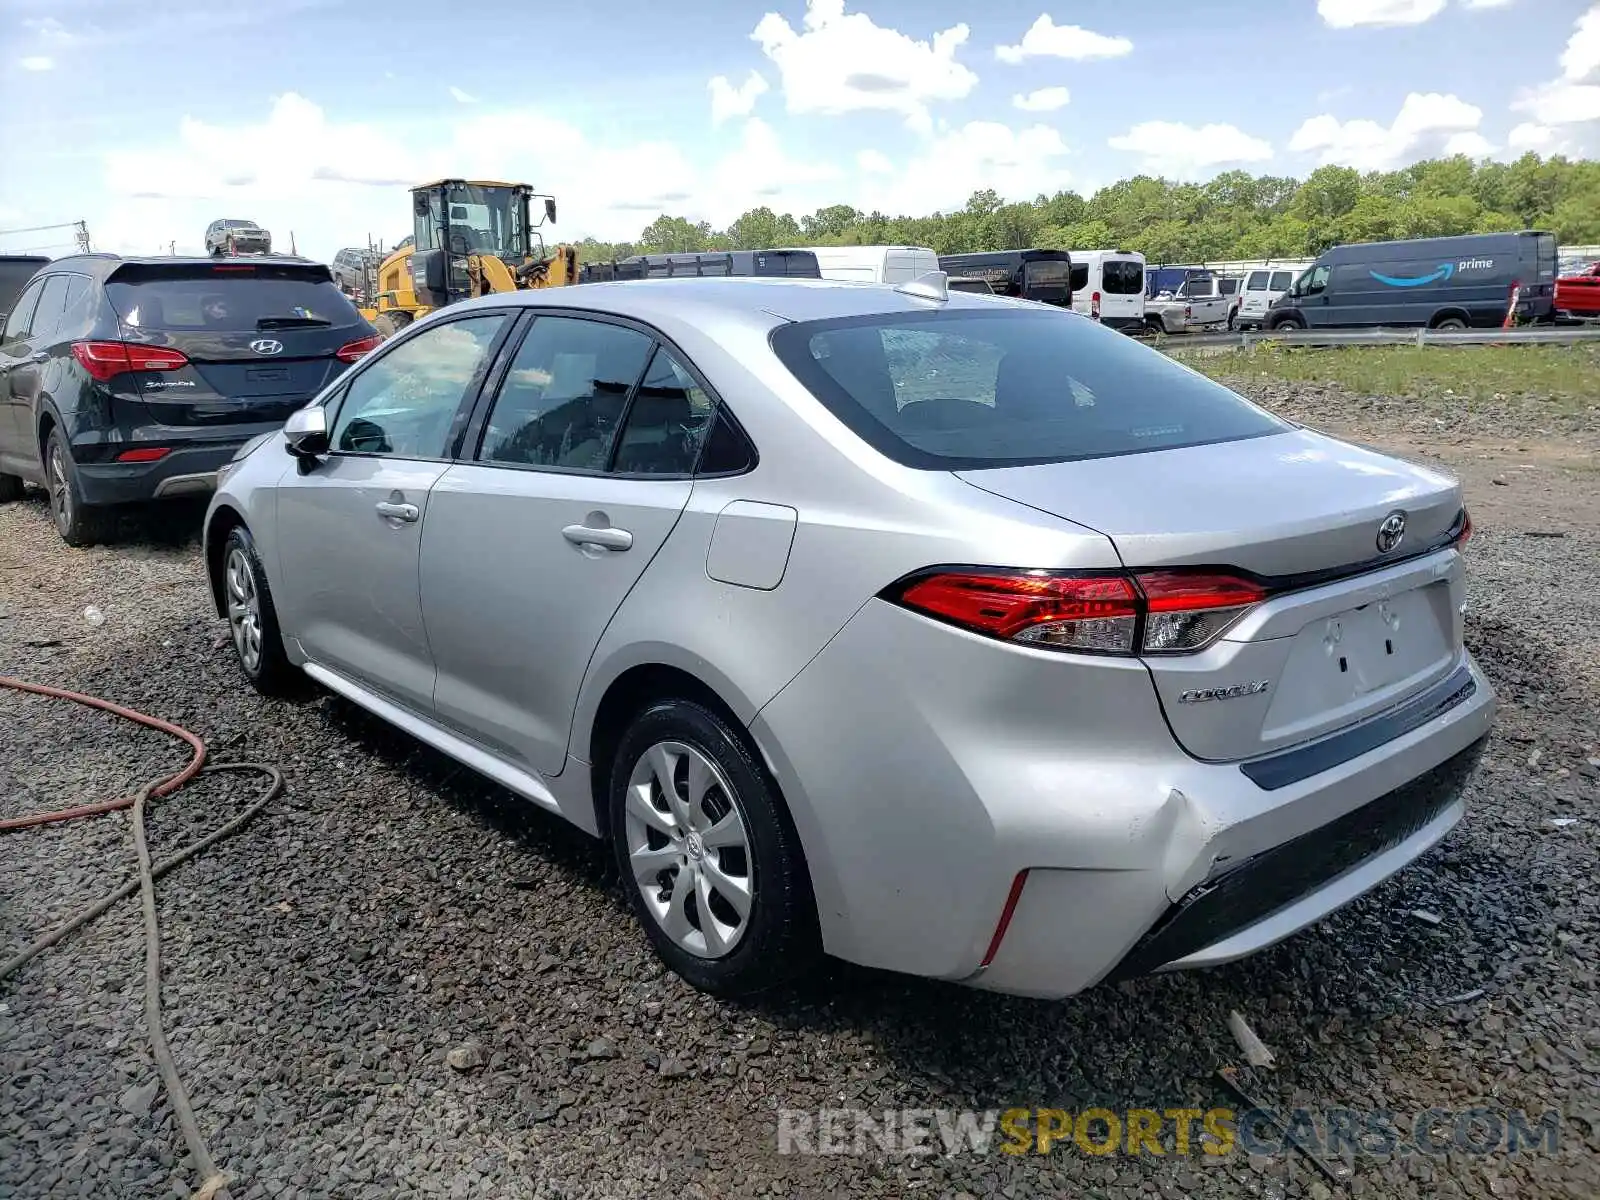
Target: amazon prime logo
x=1391, y=531
x=267, y=346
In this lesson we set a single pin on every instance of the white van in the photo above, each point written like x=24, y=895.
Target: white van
x=1108, y=285
x=1261, y=288
x=874, y=264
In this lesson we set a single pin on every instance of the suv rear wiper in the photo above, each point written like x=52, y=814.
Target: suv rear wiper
x=292, y=322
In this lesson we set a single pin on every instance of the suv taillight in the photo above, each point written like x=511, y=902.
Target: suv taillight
x=1464, y=534
x=106, y=360
x=1094, y=305
x=1150, y=612
x=353, y=351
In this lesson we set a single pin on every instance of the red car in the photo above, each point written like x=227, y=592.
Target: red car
x=1578, y=296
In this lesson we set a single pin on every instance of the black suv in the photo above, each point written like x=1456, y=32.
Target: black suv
x=128, y=379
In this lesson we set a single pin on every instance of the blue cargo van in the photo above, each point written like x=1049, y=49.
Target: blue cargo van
x=1442, y=283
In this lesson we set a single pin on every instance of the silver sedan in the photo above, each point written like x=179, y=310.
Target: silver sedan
x=940, y=632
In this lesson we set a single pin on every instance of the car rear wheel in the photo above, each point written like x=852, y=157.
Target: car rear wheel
x=1451, y=324
x=253, y=619
x=10, y=489
x=1289, y=323
x=711, y=866
x=76, y=522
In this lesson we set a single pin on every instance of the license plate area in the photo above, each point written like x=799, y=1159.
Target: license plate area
x=1361, y=660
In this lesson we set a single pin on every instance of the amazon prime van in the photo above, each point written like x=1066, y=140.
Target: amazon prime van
x=1441, y=283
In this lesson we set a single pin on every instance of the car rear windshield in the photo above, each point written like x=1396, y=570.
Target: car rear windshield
x=1122, y=276
x=228, y=298
x=966, y=390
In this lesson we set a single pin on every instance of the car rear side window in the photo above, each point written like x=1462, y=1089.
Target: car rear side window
x=965, y=390
x=1122, y=277
x=47, y=317
x=1282, y=281
x=406, y=403
x=231, y=298
x=562, y=400
x=1257, y=282
x=667, y=420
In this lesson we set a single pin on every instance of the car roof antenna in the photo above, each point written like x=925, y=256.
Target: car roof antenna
x=932, y=286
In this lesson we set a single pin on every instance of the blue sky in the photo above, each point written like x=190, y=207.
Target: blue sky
x=149, y=119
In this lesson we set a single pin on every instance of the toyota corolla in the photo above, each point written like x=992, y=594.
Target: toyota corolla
x=940, y=632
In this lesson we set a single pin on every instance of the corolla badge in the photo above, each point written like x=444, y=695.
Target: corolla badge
x=1391, y=531
x=1238, y=690
x=267, y=346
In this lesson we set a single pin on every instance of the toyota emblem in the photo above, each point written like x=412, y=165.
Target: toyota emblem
x=1391, y=531
x=267, y=346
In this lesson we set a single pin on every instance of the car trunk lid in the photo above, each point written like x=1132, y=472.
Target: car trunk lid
x=260, y=340
x=1346, y=629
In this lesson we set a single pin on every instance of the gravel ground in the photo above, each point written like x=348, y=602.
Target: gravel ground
x=391, y=908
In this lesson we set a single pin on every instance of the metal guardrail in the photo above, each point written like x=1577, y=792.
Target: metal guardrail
x=1242, y=339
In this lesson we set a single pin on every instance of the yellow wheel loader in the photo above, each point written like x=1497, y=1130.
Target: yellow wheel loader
x=470, y=238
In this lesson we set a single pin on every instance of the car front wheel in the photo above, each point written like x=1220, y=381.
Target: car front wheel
x=709, y=861
x=253, y=619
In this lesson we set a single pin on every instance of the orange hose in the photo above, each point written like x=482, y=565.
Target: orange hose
x=169, y=784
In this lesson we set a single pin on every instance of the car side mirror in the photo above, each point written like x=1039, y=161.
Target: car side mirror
x=550, y=210
x=306, y=432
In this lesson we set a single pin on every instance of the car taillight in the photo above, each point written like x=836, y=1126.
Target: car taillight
x=1188, y=311
x=1151, y=612
x=353, y=351
x=1187, y=609
x=104, y=360
x=144, y=454
x=1464, y=534
x=1094, y=304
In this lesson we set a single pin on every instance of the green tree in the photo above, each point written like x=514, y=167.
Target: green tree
x=762, y=229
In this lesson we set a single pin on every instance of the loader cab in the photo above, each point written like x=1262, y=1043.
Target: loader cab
x=454, y=219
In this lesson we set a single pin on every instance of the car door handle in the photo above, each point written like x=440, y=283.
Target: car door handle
x=606, y=539
x=399, y=512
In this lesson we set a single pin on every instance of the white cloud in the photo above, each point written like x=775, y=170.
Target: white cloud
x=1043, y=100
x=1347, y=14
x=1017, y=163
x=846, y=63
x=37, y=62
x=1488, y=3
x=1470, y=142
x=1560, y=103
x=1046, y=39
x=1423, y=126
x=760, y=172
x=462, y=97
x=1581, y=58
x=1184, y=151
x=1540, y=139
x=874, y=162
x=728, y=101
x=49, y=31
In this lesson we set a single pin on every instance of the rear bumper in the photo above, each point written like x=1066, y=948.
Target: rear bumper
x=186, y=471
x=957, y=766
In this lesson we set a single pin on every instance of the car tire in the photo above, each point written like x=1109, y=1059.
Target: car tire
x=390, y=323
x=1289, y=324
x=253, y=628
x=78, y=523
x=1451, y=325
x=10, y=489
x=739, y=849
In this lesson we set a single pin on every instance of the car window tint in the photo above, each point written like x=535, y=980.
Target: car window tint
x=17, y=323
x=1282, y=281
x=726, y=450
x=1122, y=277
x=79, y=308
x=1257, y=282
x=52, y=301
x=963, y=389
x=405, y=403
x=667, y=421
x=563, y=397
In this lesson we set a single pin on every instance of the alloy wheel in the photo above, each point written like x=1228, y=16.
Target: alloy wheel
x=60, y=490
x=244, y=610
x=689, y=849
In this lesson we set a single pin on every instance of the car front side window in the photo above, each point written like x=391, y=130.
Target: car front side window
x=406, y=404
x=21, y=316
